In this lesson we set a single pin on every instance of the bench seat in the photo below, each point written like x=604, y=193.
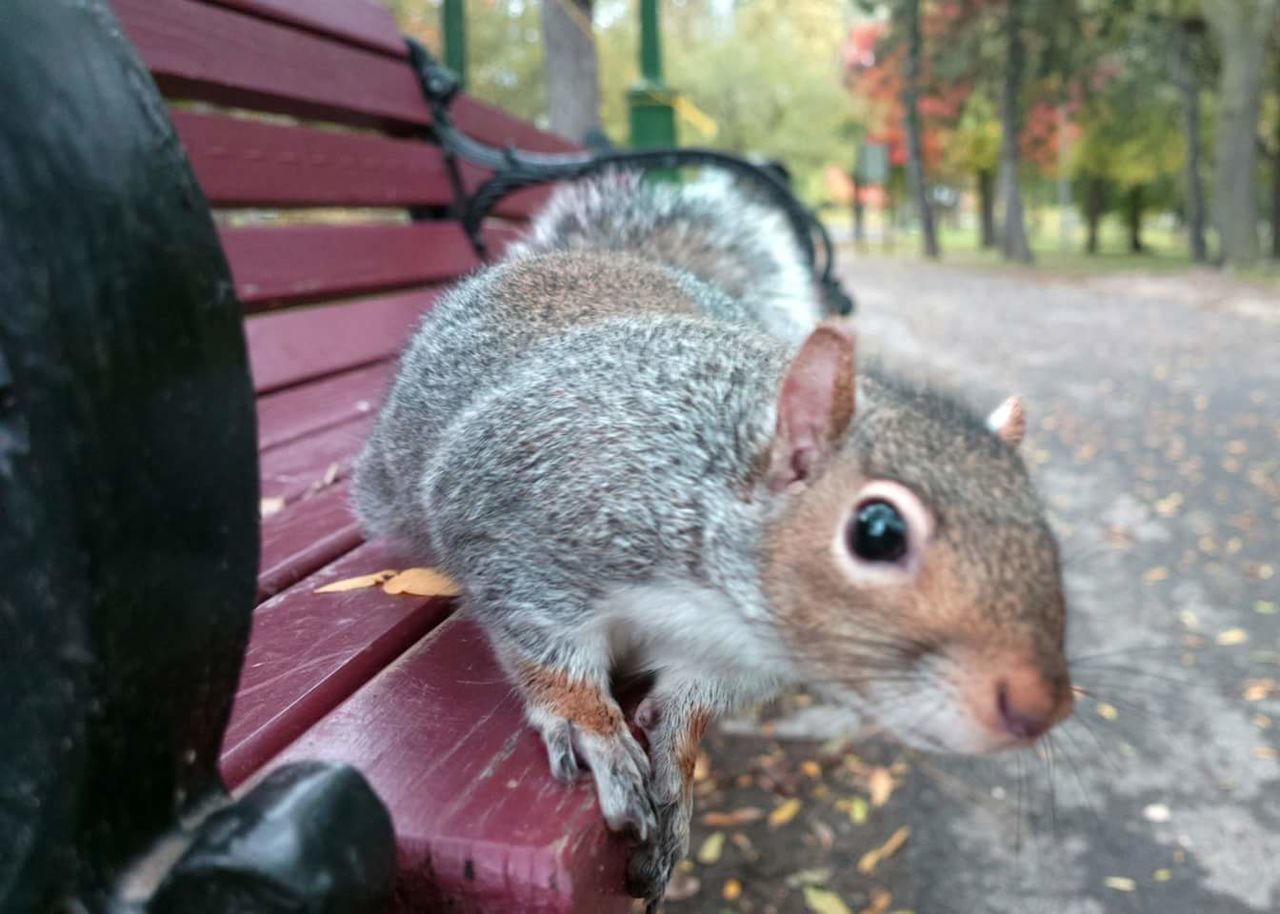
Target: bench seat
x=287, y=105
x=401, y=689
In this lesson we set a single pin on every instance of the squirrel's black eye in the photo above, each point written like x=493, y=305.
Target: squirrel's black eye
x=878, y=533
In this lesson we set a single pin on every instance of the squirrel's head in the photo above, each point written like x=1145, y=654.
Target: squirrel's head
x=909, y=563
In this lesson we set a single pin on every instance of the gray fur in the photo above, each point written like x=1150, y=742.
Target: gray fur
x=710, y=229
x=578, y=434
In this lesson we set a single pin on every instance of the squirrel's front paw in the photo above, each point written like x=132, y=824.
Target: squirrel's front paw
x=619, y=767
x=650, y=867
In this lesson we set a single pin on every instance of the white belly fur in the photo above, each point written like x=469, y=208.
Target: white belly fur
x=690, y=630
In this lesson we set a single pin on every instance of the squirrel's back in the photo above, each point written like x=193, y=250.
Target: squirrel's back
x=601, y=249
x=709, y=229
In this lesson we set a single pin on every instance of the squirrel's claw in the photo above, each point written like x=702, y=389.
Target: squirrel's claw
x=650, y=867
x=621, y=772
x=618, y=765
x=558, y=738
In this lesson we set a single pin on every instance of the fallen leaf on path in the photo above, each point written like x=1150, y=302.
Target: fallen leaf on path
x=1152, y=575
x=858, y=811
x=784, y=813
x=1259, y=689
x=822, y=901
x=1265, y=608
x=880, y=784
x=743, y=844
x=1169, y=505
x=1233, y=636
x=732, y=890
x=1162, y=875
x=812, y=769
x=1266, y=752
x=365, y=580
x=880, y=901
x=422, y=582
x=744, y=816
x=711, y=849
x=823, y=832
x=1106, y=711
x=1156, y=812
x=808, y=877
x=1120, y=883
x=873, y=858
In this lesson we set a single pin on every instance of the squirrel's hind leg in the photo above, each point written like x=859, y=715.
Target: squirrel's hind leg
x=568, y=701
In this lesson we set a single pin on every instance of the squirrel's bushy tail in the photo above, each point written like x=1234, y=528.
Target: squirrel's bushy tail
x=708, y=228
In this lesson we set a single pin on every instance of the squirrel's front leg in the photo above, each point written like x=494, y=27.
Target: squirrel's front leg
x=674, y=717
x=567, y=700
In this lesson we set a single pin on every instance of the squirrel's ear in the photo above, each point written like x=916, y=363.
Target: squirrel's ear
x=815, y=403
x=1009, y=421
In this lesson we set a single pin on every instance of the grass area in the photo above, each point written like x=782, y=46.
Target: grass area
x=1166, y=250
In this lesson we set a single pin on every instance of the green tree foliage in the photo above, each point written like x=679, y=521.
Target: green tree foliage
x=1130, y=151
x=767, y=72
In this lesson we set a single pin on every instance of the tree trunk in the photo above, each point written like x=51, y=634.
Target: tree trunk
x=859, y=214
x=573, y=82
x=1275, y=196
x=1275, y=174
x=986, y=209
x=1093, y=209
x=1014, y=243
x=1184, y=78
x=1242, y=27
x=915, y=147
x=1133, y=218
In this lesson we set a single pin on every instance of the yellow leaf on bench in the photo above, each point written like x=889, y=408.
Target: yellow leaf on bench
x=365, y=580
x=422, y=582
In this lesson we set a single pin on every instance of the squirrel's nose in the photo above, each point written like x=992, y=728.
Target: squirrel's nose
x=1028, y=704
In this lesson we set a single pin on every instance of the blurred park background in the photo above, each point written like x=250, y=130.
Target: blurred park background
x=1091, y=134
x=1099, y=183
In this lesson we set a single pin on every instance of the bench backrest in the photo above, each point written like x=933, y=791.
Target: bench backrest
x=297, y=105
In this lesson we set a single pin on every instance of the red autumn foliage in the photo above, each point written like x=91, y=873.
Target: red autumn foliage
x=873, y=71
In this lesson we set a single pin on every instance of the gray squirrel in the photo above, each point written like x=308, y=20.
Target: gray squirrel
x=640, y=451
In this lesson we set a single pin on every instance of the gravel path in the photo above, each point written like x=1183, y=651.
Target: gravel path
x=1155, y=435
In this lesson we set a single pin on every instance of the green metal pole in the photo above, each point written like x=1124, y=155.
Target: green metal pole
x=650, y=43
x=455, y=38
x=653, y=118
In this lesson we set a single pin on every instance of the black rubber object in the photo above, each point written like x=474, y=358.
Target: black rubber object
x=128, y=506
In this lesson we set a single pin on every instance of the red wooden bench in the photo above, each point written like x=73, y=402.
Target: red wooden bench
x=394, y=685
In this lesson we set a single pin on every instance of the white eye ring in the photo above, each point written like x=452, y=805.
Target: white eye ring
x=919, y=531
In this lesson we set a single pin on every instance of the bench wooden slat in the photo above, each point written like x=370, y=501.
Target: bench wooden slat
x=242, y=162
x=206, y=53
x=359, y=22
x=289, y=347
x=311, y=651
x=290, y=264
x=479, y=821
x=304, y=537
x=300, y=411
x=203, y=52
x=312, y=463
x=248, y=163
